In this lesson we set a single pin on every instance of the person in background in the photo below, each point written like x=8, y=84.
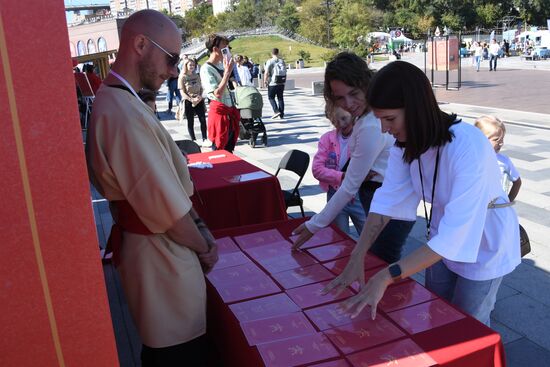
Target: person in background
x=95, y=81
x=493, y=128
x=223, y=117
x=243, y=71
x=477, y=54
x=173, y=93
x=472, y=236
x=274, y=79
x=494, y=50
x=189, y=84
x=330, y=162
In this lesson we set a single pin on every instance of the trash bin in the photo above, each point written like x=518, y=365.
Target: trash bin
x=299, y=64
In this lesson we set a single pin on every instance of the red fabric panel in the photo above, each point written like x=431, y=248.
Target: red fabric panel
x=37, y=73
x=222, y=204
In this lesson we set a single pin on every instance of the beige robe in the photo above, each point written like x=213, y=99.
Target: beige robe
x=132, y=157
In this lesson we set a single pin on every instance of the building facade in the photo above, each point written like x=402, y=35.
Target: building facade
x=176, y=7
x=220, y=6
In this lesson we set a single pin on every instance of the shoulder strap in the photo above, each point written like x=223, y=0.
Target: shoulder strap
x=123, y=87
x=218, y=70
x=345, y=168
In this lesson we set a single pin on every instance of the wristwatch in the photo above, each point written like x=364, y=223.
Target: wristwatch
x=395, y=272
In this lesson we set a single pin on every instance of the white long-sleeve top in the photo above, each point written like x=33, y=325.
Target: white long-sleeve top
x=369, y=150
x=475, y=242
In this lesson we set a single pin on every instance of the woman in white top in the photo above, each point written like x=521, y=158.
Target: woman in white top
x=347, y=77
x=244, y=72
x=471, y=242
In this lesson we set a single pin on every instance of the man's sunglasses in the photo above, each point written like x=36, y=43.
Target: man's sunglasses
x=173, y=59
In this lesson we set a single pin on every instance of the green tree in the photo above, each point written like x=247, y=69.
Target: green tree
x=354, y=20
x=196, y=19
x=489, y=14
x=288, y=18
x=313, y=21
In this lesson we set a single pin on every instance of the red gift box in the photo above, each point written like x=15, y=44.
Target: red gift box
x=267, y=252
x=330, y=316
x=404, y=295
x=302, y=276
x=324, y=236
x=425, y=316
x=234, y=274
x=258, y=238
x=337, y=363
x=332, y=251
x=310, y=295
x=403, y=353
x=260, y=285
x=263, y=308
x=363, y=334
x=277, y=328
x=226, y=245
x=297, y=351
x=230, y=259
x=293, y=260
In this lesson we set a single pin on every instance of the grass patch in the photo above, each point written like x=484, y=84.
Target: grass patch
x=258, y=48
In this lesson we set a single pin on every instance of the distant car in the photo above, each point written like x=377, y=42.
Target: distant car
x=541, y=53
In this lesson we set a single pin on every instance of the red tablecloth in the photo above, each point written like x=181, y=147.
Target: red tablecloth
x=224, y=204
x=464, y=342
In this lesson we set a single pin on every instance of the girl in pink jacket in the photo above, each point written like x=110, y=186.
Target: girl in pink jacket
x=329, y=166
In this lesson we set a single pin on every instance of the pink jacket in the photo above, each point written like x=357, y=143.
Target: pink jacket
x=327, y=176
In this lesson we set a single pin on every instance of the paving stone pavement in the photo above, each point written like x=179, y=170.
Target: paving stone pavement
x=522, y=313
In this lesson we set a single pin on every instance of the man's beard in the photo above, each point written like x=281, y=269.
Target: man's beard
x=148, y=77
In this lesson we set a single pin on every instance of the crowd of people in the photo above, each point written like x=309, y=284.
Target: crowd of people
x=392, y=149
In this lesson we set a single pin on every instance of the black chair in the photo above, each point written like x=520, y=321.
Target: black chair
x=188, y=146
x=297, y=162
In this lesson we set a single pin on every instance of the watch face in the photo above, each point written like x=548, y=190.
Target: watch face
x=395, y=271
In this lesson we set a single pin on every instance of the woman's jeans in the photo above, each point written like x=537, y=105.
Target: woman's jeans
x=474, y=297
x=477, y=62
x=390, y=241
x=353, y=210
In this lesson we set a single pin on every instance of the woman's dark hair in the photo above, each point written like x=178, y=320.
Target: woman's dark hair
x=349, y=69
x=214, y=40
x=402, y=85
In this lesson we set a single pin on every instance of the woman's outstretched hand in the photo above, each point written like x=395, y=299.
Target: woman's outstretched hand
x=303, y=235
x=369, y=295
x=354, y=270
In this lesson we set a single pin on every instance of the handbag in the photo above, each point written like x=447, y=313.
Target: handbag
x=524, y=243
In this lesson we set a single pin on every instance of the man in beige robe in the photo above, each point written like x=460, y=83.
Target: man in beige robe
x=133, y=160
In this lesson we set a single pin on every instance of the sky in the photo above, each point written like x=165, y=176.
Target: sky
x=82, y=2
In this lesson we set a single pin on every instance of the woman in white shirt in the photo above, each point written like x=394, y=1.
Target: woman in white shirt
x=471, y=242
x=244, y=72
x=347, y=78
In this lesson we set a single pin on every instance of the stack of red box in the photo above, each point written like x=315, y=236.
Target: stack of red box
x=266, y=307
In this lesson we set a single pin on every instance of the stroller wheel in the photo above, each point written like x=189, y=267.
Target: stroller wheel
x=264, y=140
x=252, y=141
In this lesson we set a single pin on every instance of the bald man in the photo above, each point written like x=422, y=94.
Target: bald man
x=160, y=247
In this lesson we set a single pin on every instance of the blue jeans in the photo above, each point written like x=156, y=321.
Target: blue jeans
x=173, y=93
x=475, y=297
x=491, y=66
x=477, y=61
x=390, y=241
x=276, y=91
x=353, y=210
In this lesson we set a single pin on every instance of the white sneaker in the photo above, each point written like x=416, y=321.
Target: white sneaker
x=206, y=143
x=276, y=115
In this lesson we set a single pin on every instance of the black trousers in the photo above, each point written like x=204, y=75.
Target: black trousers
x=276, y=90
x=194, y=353
x=190, y=113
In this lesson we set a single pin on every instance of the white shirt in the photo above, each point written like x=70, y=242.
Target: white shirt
x=343, y=141
x=475, y=242
x=508, y=172
x=244, y=75
x=494, y=48
x=369, y=150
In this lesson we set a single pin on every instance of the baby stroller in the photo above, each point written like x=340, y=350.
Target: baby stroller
x=250, y=103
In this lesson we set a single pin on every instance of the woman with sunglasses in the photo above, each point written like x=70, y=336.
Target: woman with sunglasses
x=472, y=232
x=223, y=117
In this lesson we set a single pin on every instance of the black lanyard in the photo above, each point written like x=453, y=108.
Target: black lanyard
x=429, y=218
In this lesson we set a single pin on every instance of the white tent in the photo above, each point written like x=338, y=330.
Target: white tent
x=379, y=35
x=402, y=38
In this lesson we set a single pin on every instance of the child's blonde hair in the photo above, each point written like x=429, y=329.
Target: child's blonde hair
x=484, y=122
